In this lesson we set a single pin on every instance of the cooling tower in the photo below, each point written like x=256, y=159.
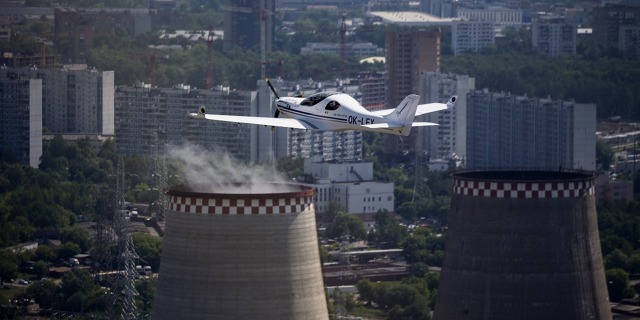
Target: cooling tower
x=522, y=245
x=242, y=256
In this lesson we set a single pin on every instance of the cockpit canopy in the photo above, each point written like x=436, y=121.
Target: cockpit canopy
x=313, y=99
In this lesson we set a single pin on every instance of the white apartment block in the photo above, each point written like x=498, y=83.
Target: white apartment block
x=148, y=119
x=74, y=101
x=471, y=36
x=553, y=36
x=497, y=15
x=359, y=49
x=448, y=139
x=517, y=132
x=329, y=145
x=348, y=184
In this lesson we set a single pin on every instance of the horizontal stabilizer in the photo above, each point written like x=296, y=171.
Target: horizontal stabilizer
x=423, y=124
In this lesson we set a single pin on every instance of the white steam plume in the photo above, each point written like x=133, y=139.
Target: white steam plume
x=219, y=173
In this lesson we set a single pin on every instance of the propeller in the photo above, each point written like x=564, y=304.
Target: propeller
x=277, y=113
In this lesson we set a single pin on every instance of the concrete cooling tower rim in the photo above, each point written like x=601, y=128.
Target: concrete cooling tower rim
x=524, y=184
x=268, y=199
x=242, y=190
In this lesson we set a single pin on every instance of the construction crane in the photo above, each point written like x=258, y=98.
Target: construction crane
x=209, y=81
x=343, y=46
x=153, y=63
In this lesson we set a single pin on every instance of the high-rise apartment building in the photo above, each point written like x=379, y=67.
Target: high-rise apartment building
x=74, y=101
x=448, y=139
x=609, y=19
x=471, y=36
x=20, y=118
x=409, y=55
x=553, y=36
x=242, y=19
x=373, y=88
x=510, y=132
x=150, y=119
x=329, y=145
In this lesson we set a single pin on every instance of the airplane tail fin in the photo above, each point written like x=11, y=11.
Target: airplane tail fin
x=403, y=114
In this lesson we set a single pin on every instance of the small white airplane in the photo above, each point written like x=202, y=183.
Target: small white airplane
x=330, y=110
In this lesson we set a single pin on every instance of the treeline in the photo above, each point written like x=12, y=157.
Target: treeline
x=619, y=225
x=611, y=83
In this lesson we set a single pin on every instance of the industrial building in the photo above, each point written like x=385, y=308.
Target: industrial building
x=250, y=253
x=522, y=245
x=409, y=18
x=349, y=184
x=20, y=118
x=499, y=16
x=357, y=49
x=508, y=132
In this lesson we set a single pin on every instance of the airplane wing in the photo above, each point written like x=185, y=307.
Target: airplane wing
x=388, y=126
x=272, y=122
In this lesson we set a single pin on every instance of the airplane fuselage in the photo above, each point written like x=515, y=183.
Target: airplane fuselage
x=338, y=111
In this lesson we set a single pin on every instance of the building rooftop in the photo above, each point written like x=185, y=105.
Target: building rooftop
x=410, y=18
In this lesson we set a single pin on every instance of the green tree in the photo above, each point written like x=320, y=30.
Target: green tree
x=388, y=233
x=80, y=293
x=604, y=155
x=45, y=293
x=616, y=259
x=40, y=269
x=8, y=266
x=634, y=264
x=618, y=284
x=148, y=248
x=365, y=290
x=346, y=224
x=45, y=253
x=76, y=235
x=292, y=167
x=146, y=288
x=68, y=250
